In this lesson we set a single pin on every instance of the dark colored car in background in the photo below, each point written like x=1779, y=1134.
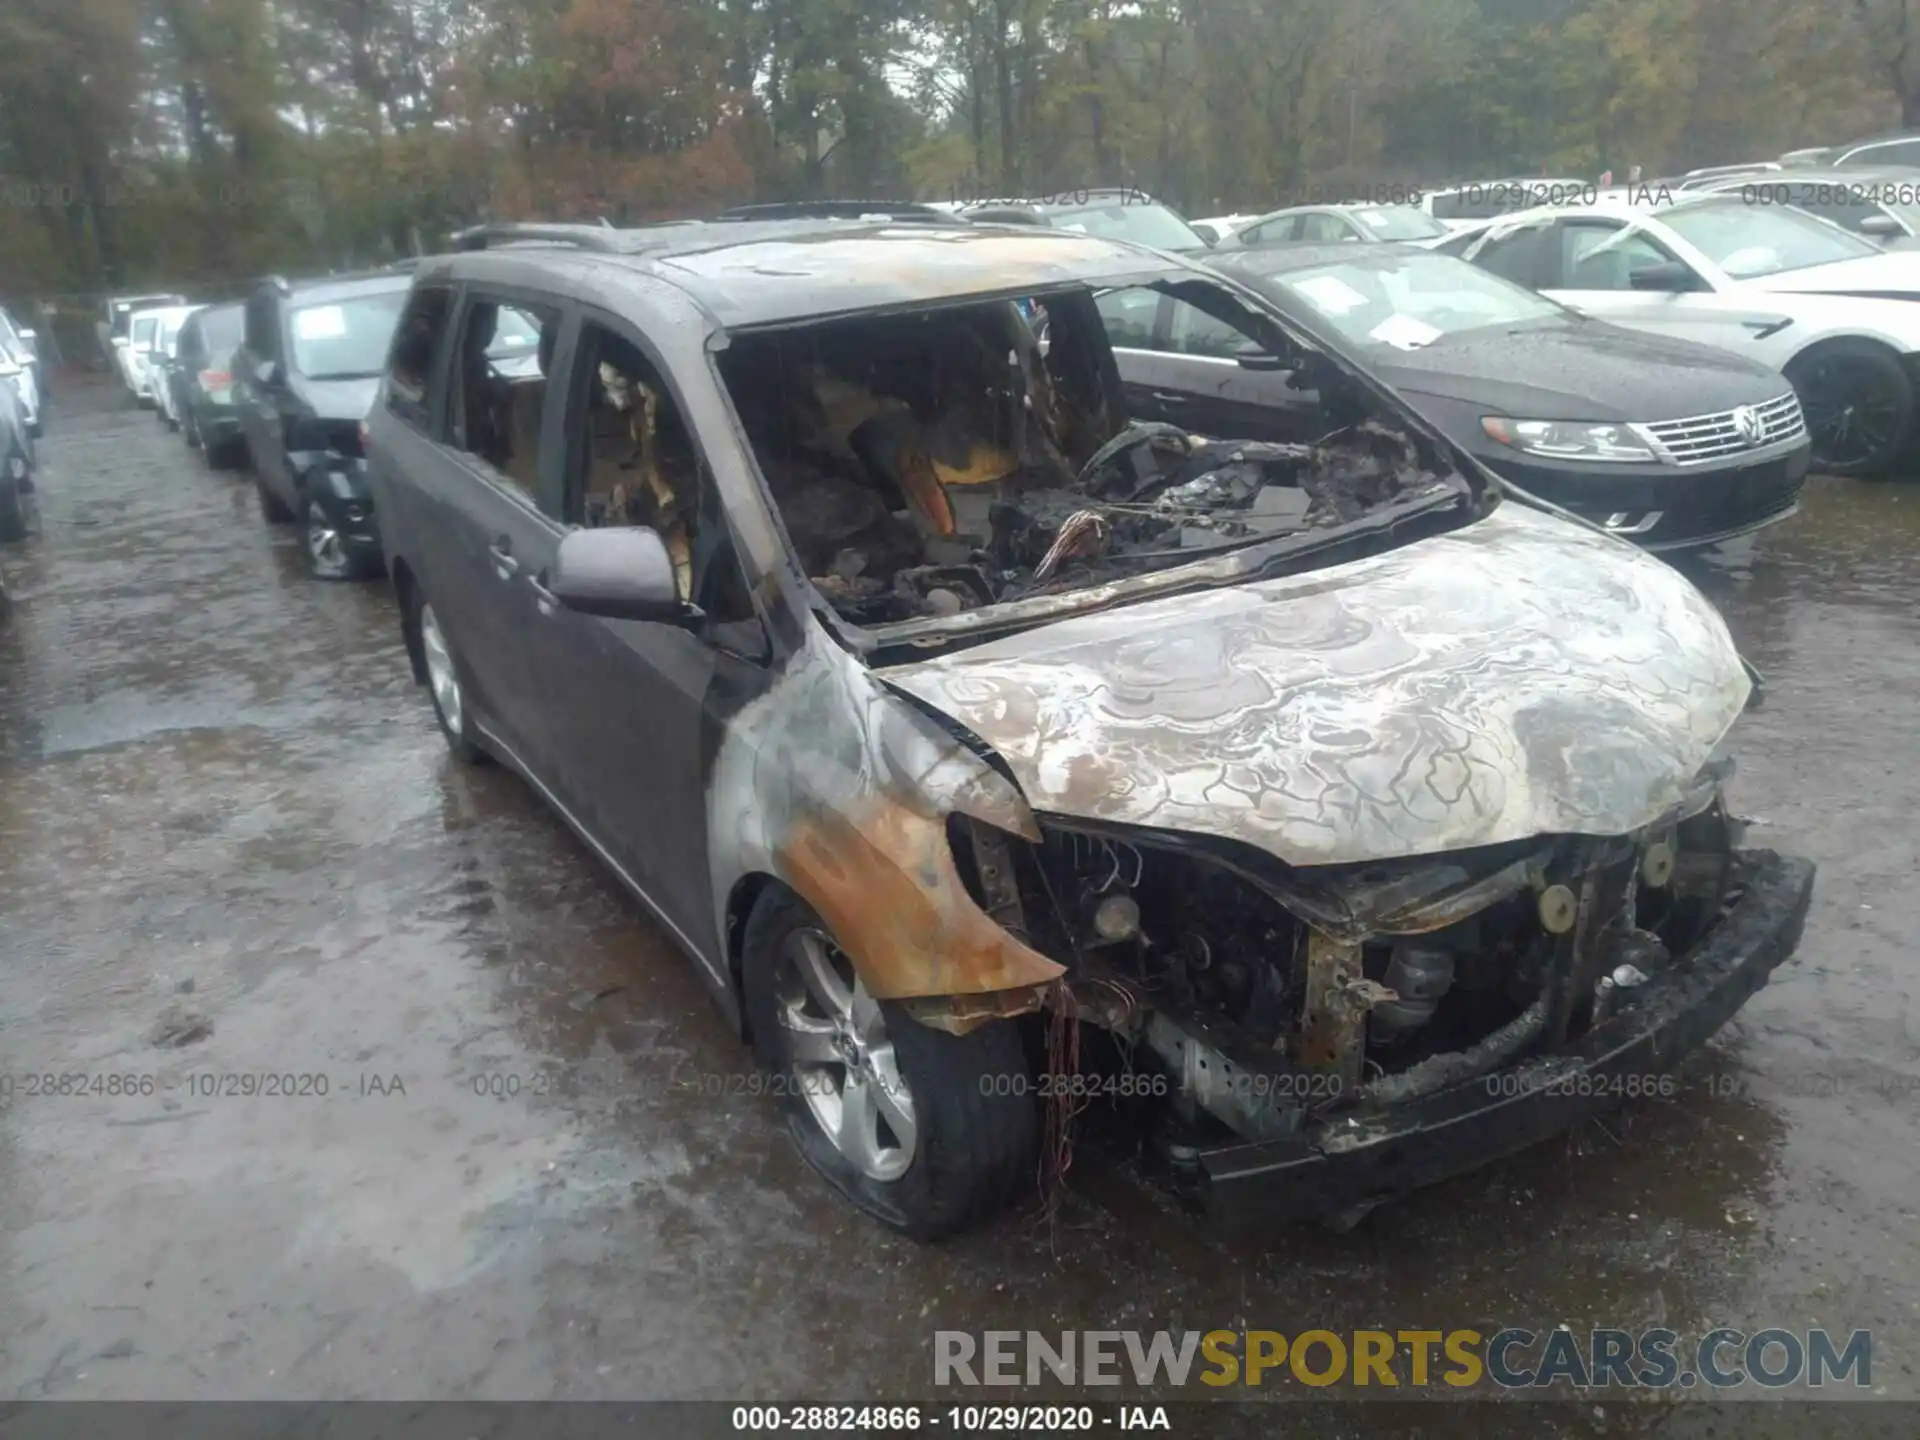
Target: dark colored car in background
x=1669, y=443
x=1115, y=213
x=310, y=359
x=1335, y=224
x=202, y=379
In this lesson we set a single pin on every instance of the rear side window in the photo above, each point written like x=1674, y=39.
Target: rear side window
x=416, y=349
x=1274, y=232
x=499, y=388
x=1321, y=229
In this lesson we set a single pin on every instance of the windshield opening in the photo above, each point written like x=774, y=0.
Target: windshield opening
x=142, y=336
x=1752, y=240
x=1143, y=222
x=1406, y=301
x=345, y=339
x=947, y=460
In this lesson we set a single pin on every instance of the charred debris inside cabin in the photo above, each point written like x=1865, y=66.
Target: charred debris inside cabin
x=1271, y=994
x=936, y=461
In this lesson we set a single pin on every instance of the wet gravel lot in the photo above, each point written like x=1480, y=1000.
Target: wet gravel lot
x=536, y=1170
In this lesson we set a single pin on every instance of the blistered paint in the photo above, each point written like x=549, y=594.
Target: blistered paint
x=1517, y=677
x=842, y=790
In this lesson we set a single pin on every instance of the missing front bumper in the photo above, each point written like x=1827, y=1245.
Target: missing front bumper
x=1350, y=1161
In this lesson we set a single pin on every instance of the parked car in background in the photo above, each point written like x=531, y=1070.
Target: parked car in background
x=1881, y=205
x=1324, y=224
x=1460, y=205
x=201, y=383
x=923, y=689
x=1669, y=443
x=115, y=329
x=18, y=460
x=144, y=343
x=310, y=358
x=22, y=378
x=1787, y=289
x=1111, y=213
x=1216, y=228
x=1712, y=177
x=161, y=363
x=24, y=342
x=1900, y=150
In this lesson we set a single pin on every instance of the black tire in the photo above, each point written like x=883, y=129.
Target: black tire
x=974, y=1147
x=1858, y=403
x=458, y=730
x=273, y=509
x=13, y=515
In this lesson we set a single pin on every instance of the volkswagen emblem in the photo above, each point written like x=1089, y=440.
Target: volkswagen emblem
x=1748, y=425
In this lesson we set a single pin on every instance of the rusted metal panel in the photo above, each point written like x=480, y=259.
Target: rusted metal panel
x=1333, y=1030
x=1517, y=677
x=842, y=789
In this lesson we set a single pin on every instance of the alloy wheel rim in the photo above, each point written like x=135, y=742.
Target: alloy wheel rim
x=441, y=678
x=1851, y=413
x=842, y=1058
x=324, y=544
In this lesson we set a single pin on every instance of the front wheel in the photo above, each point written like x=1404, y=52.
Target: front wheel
x=927, y=1132
x=1858, y=404
x=446, y=683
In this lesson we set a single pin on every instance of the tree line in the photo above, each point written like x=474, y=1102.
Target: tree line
x=193, y=141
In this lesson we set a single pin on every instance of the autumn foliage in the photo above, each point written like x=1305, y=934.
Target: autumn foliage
x=204, y=141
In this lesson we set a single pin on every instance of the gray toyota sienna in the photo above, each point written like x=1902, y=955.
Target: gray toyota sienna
x=1364, y=821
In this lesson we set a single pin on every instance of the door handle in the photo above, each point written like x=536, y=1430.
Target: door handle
x=543, y=599
x=504, y=565
x=1169, y=397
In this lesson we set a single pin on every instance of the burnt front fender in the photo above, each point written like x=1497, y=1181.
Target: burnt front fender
x=842, y=790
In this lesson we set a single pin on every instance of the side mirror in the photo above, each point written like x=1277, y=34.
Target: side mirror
x=620, y=573
x=1254, y=357
x=1668, y=275
x=1880, y=227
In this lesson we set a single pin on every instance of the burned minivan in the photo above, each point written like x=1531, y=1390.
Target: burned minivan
x=1336, y=819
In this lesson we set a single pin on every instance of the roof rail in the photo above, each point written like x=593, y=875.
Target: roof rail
x=836, y=210
x=587, y=237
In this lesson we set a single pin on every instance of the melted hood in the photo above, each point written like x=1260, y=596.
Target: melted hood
x=1518, y=677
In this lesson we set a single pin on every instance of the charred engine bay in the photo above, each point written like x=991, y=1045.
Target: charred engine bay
x=932, y=463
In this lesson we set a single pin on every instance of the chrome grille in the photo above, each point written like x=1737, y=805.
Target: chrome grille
x=1701, y=438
